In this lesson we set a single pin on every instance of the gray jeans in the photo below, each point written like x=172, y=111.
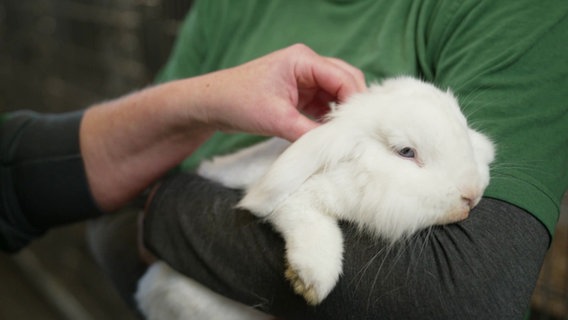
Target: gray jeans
x=482, y=268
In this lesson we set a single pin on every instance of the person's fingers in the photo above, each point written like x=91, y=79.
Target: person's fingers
x=357, y=74
x=330, y=76
x=297, y=127
x=319, y=105
x=320, y=81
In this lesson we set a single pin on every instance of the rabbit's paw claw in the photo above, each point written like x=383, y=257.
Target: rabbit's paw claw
x=302, y=288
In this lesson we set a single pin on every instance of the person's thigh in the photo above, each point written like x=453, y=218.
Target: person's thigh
x=482, y=268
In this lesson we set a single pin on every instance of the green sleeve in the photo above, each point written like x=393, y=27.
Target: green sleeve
x=43, y=183
x=506, y=61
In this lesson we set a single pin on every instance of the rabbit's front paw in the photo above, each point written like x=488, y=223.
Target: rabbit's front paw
x=314, y=274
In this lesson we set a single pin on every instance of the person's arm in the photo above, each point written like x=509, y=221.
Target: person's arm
x=63, y=168
x=482, y=268
x=42, y=177
x=130, y=142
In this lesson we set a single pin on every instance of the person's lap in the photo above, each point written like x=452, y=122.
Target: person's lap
x=484, y=267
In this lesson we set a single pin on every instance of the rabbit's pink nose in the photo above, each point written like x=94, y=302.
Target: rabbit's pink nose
x=470, y=203
x=471, y=199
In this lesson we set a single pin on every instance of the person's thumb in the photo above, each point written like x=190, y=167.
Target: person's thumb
x=298, y=128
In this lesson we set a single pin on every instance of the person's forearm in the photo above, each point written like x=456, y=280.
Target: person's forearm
x=130, y=142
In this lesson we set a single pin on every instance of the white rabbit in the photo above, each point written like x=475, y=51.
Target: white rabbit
x=393, y=160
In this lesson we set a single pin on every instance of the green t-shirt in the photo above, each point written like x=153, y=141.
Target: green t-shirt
x=505, y=61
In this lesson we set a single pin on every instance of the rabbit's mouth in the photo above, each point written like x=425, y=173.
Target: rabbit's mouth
x=456, y=215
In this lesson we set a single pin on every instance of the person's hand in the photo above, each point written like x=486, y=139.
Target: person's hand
x=269, y=95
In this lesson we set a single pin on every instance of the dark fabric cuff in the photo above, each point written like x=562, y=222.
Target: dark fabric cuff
x=42, y=175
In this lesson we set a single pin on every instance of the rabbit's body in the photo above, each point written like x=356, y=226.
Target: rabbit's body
x=394, y=160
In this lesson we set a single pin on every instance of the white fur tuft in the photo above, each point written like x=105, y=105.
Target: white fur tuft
x=164, y=294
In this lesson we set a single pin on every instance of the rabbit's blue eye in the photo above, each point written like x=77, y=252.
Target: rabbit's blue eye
x=407, y=152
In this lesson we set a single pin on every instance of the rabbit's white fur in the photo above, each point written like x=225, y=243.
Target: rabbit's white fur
x=393, y=160
x=164, y=294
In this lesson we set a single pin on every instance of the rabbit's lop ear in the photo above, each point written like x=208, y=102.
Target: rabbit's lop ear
x=294, y=166
x=315, y=151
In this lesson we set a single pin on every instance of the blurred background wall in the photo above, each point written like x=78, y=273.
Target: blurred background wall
x=60, y=55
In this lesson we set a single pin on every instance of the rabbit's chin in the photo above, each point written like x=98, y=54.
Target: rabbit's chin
x=454, y=216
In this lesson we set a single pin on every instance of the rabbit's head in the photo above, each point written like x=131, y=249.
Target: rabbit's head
x=395, y=159
x=429, y=166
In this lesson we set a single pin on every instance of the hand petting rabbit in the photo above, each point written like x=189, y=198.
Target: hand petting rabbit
x=393, y=160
